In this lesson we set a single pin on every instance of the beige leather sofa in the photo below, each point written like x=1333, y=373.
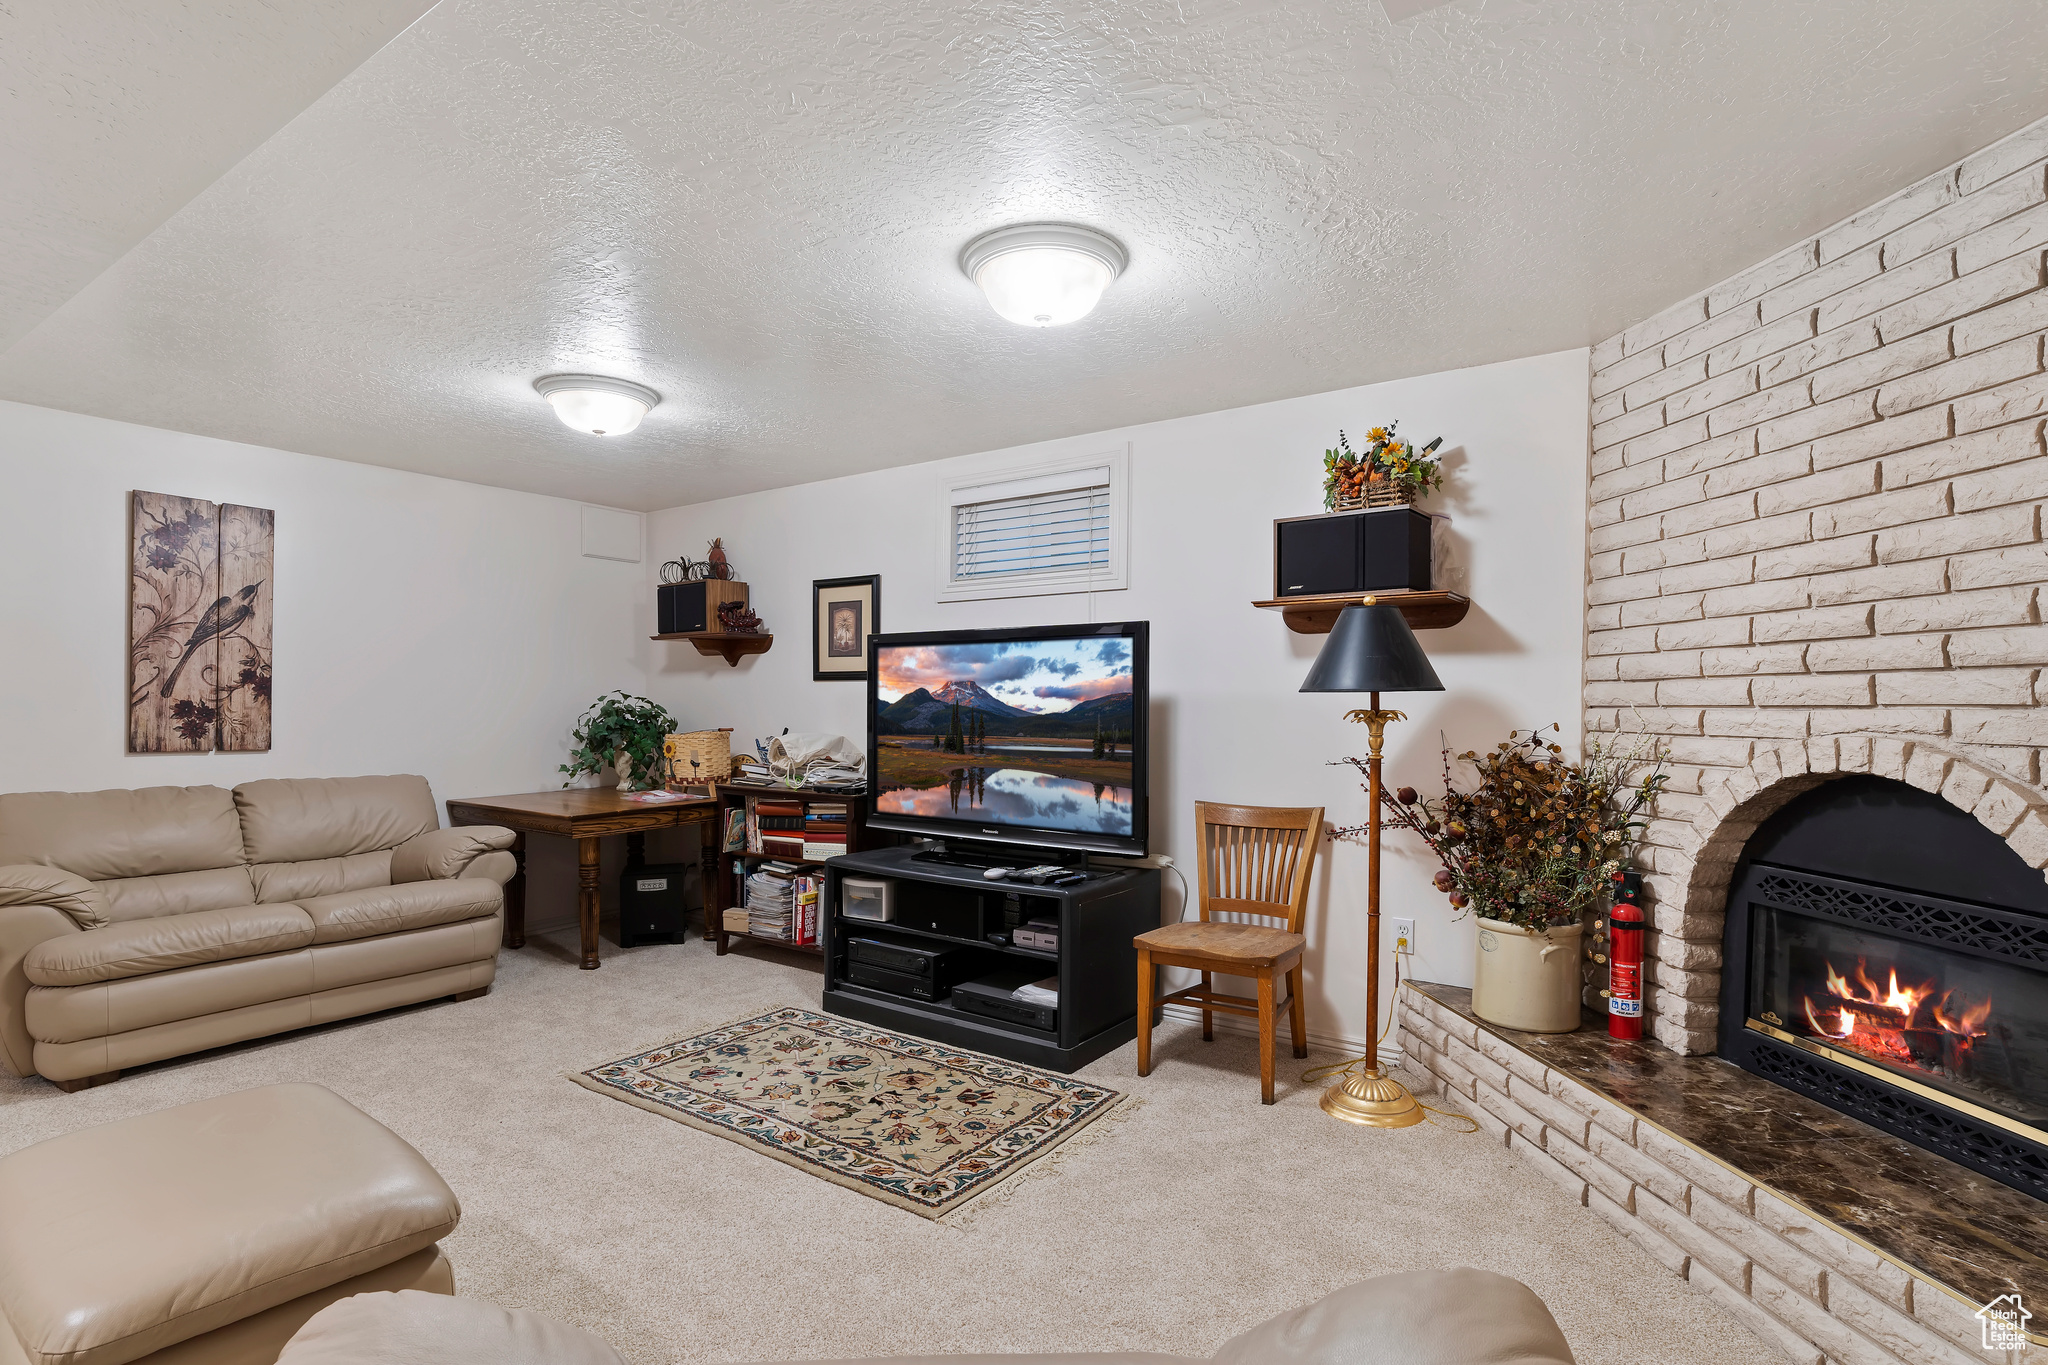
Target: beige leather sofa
x=1419, y=1317
x=140, y=925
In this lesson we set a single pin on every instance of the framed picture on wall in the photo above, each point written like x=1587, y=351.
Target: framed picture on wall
x=844, y=613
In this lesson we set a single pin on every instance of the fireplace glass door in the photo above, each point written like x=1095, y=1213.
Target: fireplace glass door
x=1967, y=1031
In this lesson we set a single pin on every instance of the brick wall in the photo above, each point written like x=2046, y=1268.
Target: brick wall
x=1816, y=546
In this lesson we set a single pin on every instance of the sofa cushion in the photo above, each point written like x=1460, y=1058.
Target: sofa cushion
x=391, y=909
x=119, y=1240
x=102, y=1009
x=175, y=893
x=412, y=1326
x=321, y=876
x=139, y=947
x=1419, y=1317
x=300, y=819
x=112, y=834
x=447, y=852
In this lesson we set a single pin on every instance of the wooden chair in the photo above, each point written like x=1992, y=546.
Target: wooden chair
x=1255, y=863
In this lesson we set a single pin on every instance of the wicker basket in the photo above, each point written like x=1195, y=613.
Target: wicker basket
x=1386, y=495
x=712, y=750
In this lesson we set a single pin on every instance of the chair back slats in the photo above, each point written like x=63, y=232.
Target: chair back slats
x=1256, y=861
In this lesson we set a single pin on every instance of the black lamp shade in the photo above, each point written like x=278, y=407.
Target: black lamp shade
x=1371, y=649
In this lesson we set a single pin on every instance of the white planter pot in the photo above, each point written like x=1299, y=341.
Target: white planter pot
x=1527, y=981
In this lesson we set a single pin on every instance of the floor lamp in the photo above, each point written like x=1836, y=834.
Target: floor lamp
x=1371, y=649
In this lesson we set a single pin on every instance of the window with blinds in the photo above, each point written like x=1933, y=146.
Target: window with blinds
x=1066, y=532
x=1051, y=531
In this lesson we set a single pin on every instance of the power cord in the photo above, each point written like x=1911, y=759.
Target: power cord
x=1185, y=894
x=1330, y=1071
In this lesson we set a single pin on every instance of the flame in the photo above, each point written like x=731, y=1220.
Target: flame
x=1969, y=1023
x=1845, y=1022
x=1887, y=1023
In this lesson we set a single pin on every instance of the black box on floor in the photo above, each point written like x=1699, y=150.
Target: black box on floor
x=1387, y=547
x=654, y=900
x=991, y=997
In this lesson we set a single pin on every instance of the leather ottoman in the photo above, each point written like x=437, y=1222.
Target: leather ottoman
x=212, y=1231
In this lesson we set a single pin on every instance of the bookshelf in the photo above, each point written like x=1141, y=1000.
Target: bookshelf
x=733, y=866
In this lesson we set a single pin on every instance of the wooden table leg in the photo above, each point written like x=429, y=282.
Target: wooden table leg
x=586, y=899
x=710, y=836
x=515, y=896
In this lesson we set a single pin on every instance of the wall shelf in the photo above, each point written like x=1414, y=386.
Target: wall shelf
x=1315, y=614
x=732, y=646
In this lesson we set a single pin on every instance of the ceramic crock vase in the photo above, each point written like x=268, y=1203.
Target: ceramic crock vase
x=1526, y=980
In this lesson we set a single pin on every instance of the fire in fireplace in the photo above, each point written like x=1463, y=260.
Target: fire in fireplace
x=1888, y=955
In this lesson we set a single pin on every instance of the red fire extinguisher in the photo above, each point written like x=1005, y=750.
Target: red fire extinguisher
x=1625, y=953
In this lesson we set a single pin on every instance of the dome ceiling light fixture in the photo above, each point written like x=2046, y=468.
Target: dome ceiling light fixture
x=595, y=403
x=1043, y=274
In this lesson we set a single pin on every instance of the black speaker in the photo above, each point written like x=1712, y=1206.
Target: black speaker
x=1351, y=552
x=654, y=900
x=679, y=608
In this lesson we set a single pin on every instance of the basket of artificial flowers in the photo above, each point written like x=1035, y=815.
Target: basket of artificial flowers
x=1389, y=472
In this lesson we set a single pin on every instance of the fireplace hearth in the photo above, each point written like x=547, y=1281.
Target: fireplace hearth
x=1888, y=956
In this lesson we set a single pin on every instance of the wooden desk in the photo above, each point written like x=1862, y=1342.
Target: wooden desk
x=585, y=814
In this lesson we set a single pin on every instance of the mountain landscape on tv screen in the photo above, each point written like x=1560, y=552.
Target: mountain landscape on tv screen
x=924, y=712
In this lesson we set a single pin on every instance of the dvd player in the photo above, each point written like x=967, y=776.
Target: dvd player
x=895, y=983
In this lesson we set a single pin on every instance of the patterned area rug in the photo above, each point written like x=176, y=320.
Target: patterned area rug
x=923, y=1126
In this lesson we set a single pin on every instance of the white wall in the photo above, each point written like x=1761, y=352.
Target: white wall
x=422, y=625
x=1227, y=721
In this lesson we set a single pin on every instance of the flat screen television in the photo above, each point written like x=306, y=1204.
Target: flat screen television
x=1031, y=736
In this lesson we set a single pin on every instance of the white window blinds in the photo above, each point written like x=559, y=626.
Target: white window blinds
x=1058, y=530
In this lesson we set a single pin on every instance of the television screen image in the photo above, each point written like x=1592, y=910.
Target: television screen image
x=1021, y=732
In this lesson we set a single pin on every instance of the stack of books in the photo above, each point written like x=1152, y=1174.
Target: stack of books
x=807, y=896
x=824, y=830
x=778, y=826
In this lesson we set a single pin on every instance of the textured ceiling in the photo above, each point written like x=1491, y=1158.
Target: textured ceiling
x=114, y=113
x=757, y=208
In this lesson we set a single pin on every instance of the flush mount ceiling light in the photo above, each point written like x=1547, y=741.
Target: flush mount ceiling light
x=596, y=404
x=1043, y=274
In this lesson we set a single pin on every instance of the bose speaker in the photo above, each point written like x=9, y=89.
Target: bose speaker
x=1336, y=552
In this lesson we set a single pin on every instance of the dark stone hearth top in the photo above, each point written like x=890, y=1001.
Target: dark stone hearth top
x=1943, y=1221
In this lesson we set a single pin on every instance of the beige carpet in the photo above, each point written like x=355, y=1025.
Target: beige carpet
x=1188, y=1218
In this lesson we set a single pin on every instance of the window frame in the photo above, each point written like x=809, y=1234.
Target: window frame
x=989, y=484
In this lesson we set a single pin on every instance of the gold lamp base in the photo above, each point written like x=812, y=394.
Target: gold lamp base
x=1373, y=1099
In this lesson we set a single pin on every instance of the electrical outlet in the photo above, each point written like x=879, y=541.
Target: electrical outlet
x=1404, y=935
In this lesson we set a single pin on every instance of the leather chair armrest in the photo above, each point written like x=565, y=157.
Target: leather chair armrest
x=29, y=884
x=441, y=854
x=23, y=925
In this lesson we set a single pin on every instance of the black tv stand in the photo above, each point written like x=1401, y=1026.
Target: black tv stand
x=942, y=905
x=981, y=857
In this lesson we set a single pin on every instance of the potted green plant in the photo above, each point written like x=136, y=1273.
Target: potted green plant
x=1389, y=472
x=1530, y=848
x=625, y=733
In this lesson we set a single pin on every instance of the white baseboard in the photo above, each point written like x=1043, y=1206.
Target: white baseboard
x=1329, y=1042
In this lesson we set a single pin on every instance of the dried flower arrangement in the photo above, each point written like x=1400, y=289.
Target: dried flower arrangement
x=1390, y=472
x=1539, y=839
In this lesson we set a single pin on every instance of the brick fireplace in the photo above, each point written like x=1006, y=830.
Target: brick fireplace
x=1815, y=539
x=1816, y=572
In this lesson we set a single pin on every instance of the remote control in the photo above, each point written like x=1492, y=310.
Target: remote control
x=995, y=874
